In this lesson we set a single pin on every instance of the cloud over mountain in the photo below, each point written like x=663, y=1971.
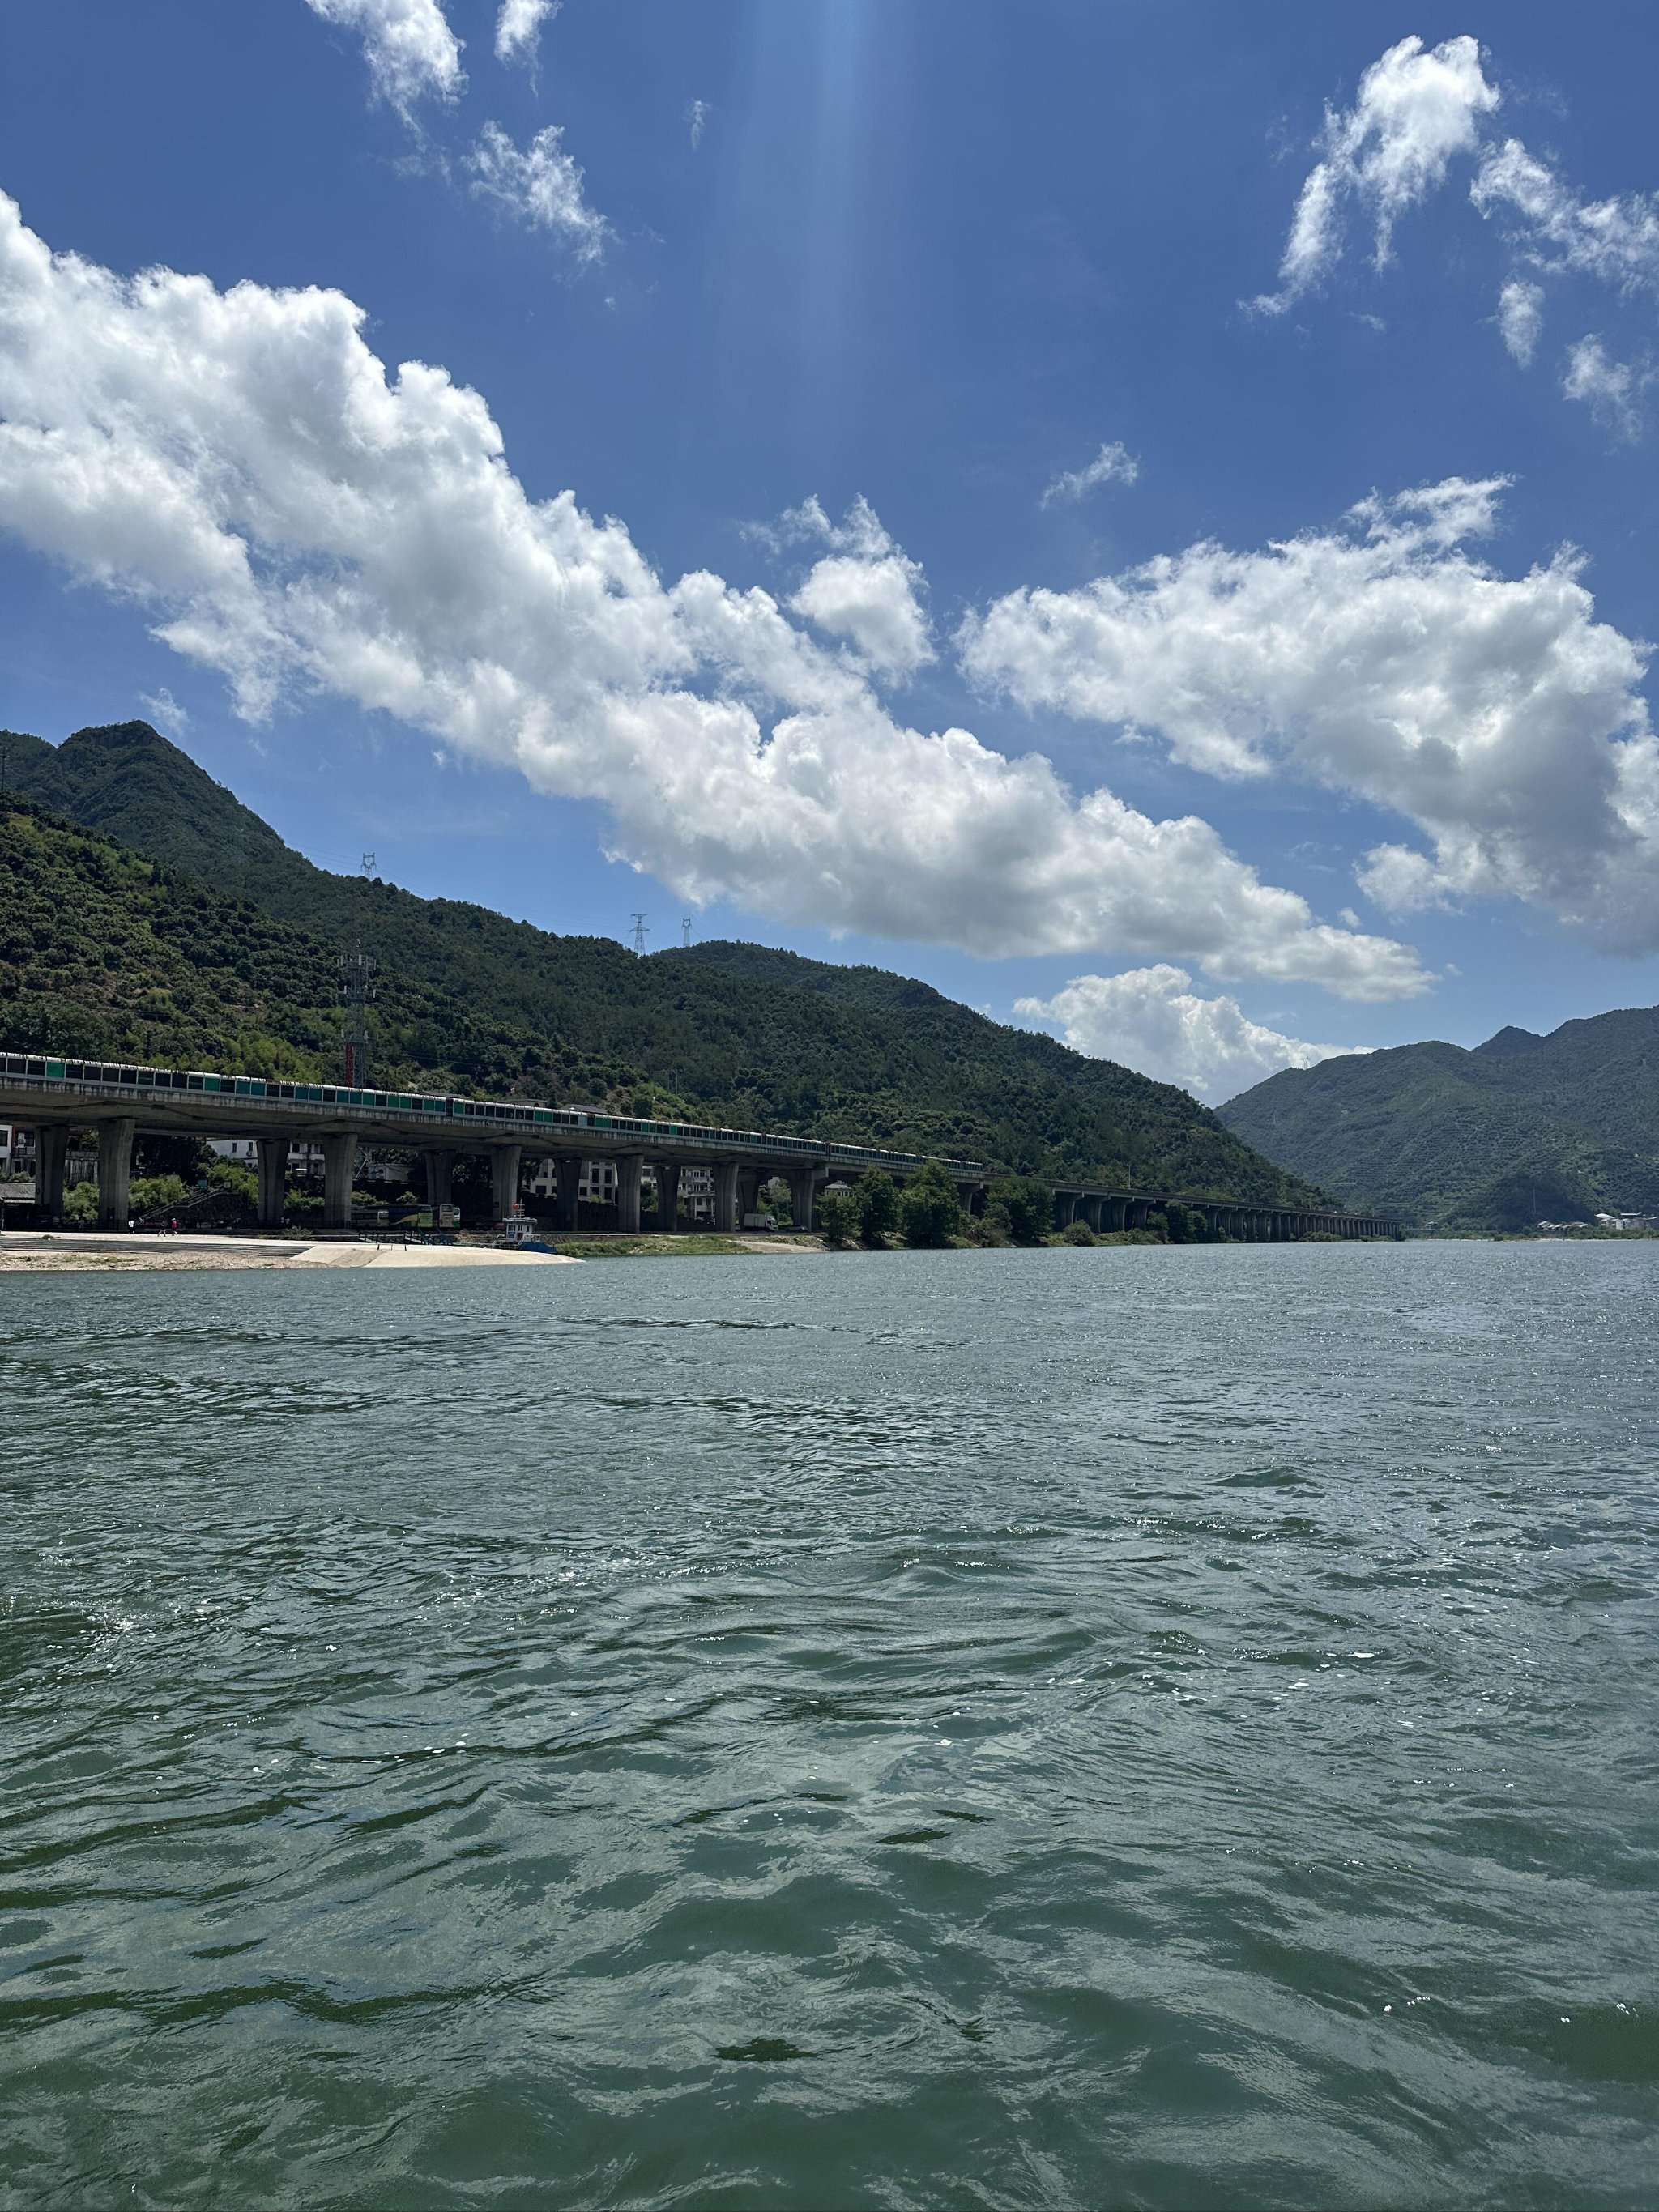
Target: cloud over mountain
x=1151, y=1019
x=243, y=464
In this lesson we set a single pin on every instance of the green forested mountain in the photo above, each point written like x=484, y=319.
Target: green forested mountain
x=1523, y=1129
x=222, y=949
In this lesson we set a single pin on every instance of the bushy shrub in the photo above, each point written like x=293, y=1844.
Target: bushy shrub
x=989, y=1235
x=930, y=1212
x=1078, y=1232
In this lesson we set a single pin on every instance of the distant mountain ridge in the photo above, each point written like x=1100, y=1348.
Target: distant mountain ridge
x=1520, y=1129
x=738, y=1034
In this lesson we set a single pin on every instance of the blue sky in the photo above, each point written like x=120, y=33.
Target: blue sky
x=911, y=331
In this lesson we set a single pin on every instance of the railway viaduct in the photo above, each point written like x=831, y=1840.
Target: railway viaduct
x=51, y=1096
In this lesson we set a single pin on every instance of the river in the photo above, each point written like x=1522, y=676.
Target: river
x=1136, y=1727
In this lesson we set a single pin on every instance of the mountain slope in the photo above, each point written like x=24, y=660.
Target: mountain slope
x=106, y=955
x=733, y=1034
x=1521, y=1129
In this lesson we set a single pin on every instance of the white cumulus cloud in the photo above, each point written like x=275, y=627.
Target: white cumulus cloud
x=1153, y=1020
x=1381, y=659
x=867, y=591
x=302, y=521
x=518, y=27
x=542, y=186
x=1416, y=109
x=1520, y=318
x=411, y=51
x=1113, y=463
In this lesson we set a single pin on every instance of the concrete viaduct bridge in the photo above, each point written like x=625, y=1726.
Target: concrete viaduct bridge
x=1105, y=1210
x=52, y=1096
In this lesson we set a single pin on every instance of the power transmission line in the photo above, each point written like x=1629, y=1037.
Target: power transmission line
x=640, y=920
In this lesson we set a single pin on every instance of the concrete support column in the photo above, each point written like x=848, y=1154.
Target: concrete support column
x=1065, y=1208
x=439, y=1179
x=967, y=1193
x=114, y=1172
x=749, y=1188
x=726, y=1195
x=803, y=1192
x=1115, y=1215
x=667, y=1174
x=339, y=1159
x=51, y=1160
x=569, y=1174
x=505, y=1161
x=629, y=1169
x=273, y=1181
x=1092, y=1210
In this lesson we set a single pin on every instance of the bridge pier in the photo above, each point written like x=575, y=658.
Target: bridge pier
x=630, y=1169
x=803, y=1192
x=440, y=1180
x=505, y=1163
x=114, y=1173
x=51, y=1164
x=725, y=1177
x=339, y=1159
x=273, y=1181
x=567, y=1173
x=1065, y=1206
x=667, y=1176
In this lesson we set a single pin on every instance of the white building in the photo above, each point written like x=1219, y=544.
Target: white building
x=304, y=1161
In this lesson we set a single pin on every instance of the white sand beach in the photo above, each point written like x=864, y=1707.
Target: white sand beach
x=53, y=1251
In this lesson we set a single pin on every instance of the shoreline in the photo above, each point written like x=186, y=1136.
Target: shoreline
x=64, y=1251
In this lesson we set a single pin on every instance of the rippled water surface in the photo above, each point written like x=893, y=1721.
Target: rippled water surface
x=1130, y=1727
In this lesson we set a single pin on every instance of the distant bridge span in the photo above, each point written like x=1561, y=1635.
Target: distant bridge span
x=53, y=1096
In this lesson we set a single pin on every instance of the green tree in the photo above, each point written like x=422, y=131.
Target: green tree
x=930, y=1211
x=1022, y=1206
x=151, y=1191
x=81, y=1204
x=1185, y=1224
x=1078, y=1232
x=838, y=1216
x=875, y=1197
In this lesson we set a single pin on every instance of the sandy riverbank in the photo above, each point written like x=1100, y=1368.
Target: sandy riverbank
x=66, y=1251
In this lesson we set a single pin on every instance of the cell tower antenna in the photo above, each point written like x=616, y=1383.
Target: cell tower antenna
x=640, y=920
x=356, y=996
x=685, y=929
